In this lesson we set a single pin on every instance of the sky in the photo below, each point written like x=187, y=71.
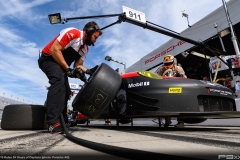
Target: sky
x=25, y=30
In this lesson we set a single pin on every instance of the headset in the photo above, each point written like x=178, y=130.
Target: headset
x=91, y=30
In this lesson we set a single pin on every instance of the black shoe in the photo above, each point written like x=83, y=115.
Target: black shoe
x=107, y=122
x=167, y=122
x=179, y=125
x=166, y=125
x=55, y=128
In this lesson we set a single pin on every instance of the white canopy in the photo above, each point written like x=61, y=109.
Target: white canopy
x=200, y=31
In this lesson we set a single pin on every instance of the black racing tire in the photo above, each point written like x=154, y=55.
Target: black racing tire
x=24, y=117
x=193, y=120
x=125, y=120
x=98, y=92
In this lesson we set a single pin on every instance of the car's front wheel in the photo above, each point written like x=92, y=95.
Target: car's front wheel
x=98, y=93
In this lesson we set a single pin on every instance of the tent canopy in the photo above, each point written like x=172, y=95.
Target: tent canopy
x=202, y=31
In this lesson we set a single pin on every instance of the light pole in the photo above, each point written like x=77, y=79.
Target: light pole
x=3, y=98
x=220, y=38
x=234, y=38
x=186, y=15
x=218, y=62
x=108, y=58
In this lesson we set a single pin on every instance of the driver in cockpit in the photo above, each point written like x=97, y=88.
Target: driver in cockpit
x=170, y=68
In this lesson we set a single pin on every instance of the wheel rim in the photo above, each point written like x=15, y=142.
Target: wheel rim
x=119, y=105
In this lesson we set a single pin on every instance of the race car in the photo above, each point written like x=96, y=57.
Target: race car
x=146, y=94
x=109, y=95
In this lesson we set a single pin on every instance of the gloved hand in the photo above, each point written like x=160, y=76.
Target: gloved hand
x=76, y=73
x=92, y=70
x=69, y=72
x=177, y=74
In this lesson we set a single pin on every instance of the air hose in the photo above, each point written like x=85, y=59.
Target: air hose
x=119, y=151
x=220, y=79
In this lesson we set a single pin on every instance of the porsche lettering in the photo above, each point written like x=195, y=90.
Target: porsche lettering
x=212, y=84
x=169, y=49
x=220, y=92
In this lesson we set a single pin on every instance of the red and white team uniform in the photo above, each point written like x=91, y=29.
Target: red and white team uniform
x=72, y=41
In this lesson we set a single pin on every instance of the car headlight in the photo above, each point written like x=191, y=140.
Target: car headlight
x=150, y=75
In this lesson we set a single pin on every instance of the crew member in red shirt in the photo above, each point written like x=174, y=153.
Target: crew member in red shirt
x=70, y=45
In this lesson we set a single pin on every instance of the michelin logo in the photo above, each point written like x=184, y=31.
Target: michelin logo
x=139, y=84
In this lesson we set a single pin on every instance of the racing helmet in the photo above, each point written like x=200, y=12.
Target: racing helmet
x=168, y=61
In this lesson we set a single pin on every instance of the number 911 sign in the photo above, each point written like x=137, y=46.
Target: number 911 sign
x=135, y=15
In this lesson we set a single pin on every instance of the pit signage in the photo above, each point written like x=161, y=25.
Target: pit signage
x=134, y=14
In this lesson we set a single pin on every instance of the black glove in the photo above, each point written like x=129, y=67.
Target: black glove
x=178, y=75
x=76, y=73
x=69, y=72
x=92, y=70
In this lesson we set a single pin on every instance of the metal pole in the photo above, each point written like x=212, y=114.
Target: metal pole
x=159, y=30
x=218, y=62
x=87, y=17
x=234, y=39
x=220, y=38
x=125, y=69
x=231, y=28
x=123, y=63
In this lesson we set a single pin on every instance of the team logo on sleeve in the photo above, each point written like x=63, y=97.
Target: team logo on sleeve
x=82, y=52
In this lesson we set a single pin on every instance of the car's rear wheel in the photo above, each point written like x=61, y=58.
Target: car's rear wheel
x=125, y=120
x=98, y=93
x=193, y=120
x=24, y=117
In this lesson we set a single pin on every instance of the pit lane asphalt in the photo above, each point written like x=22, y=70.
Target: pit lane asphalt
x=202, y=142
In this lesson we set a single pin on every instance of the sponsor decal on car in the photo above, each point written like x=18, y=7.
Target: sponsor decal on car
x=220, y=92
x=212, y=84
x=138, y=84
x=175, y=90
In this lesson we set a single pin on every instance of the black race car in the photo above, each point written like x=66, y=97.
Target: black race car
x=109, y=95
x=146, y=94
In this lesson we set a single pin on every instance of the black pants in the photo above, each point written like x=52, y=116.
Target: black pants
x=58, y=92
